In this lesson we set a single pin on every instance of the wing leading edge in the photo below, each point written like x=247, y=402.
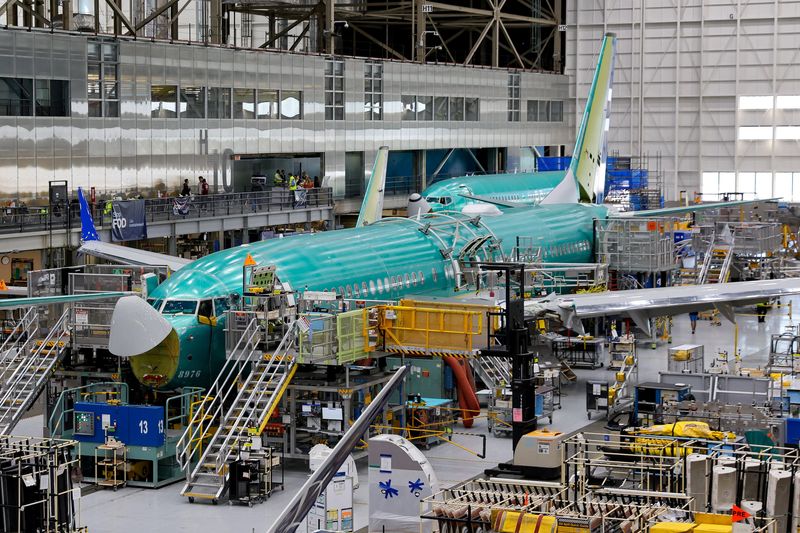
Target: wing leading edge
x=92, y=245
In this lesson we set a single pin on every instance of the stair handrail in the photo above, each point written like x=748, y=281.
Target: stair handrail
x=257, y=392
x=216, y=395
x=56, y=333
x=6, y=349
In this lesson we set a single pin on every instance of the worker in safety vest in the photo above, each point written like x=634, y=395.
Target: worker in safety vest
x=293, y=188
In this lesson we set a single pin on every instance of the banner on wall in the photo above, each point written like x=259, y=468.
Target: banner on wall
x=128, y=221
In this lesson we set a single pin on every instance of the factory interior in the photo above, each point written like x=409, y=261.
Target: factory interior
x=487, y=266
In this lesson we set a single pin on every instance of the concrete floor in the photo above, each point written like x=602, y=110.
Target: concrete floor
x=135, y=510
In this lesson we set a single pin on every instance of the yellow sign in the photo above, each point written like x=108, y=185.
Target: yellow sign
x=249, y=261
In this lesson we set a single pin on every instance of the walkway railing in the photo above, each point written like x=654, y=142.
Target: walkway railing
x=67, y=216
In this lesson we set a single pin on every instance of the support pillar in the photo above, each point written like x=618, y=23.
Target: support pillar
x=422, y=169
x=419, y=36
x=12, y=11
x=557, y=39
x=330, y=39
x=174, y=29
x=66, y=15
x=27, y=17
x=172, y=244
x=216, y=21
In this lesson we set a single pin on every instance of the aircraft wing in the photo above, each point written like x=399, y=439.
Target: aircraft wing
x=131, y=256
x=644, y=304
x=92, y=245
x=500, y=203
x=692, y=208
x=15, y=303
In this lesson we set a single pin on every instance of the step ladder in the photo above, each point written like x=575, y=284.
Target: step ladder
x=236, y=409
x=27, y=359
x=494, y=371
x=719, y=263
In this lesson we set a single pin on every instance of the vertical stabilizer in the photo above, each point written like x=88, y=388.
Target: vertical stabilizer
x=585, y=178
x=372, y=206
x=88, y=231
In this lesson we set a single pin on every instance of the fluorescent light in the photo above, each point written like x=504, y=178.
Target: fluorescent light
x=755, y=102
x=791, y=101
x=755, y=133
x=787, y=132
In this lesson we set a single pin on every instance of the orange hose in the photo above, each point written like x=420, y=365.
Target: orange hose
x=467, y=398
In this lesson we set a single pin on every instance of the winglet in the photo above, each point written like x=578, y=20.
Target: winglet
x=585, y=177
x=372, y=206
x=88, y=231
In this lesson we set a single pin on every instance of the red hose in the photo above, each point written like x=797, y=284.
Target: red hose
x=467, y=399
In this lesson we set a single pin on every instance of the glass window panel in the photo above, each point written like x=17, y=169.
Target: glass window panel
x=533, y=111
x=328, y=84
x=93, y=51
x=338, y=68
x=93, y=71
x=163, y=101
x=328, y=68
x=338, y=113
x=783, y=186
x=755, y=102
x=244, y=103
x=267, y=104
x=110, y=108
x=338, y=99
x=755, y=133
x=219, y=102
x=710, y=186
x=95, y=109
x=110, y=90
x=377, y=86
x=93, y=90
x=556, y=111
x=110, y=72
x=746, y=184
x=796, y=187
x=338, y=84
x=409, y=107
x=193, y=102
x=109, y=52
x=425, y=108
x=52, y=98
x=291, y=105
x=457, y=108
x=763, y=185
x=328, y=113
x=544, y=111
x=787, y=102
x=440, y=107
x=727, y=182
x=472, y=109
x=16, y=97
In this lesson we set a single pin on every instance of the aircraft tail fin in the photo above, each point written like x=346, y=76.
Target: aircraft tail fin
x=88, y=231
x=372, y=206
x=585, y=177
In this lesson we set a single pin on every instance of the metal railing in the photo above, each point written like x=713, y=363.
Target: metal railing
x=60, y=411
x=18, y=340
x=67, y=216
x=217, y=397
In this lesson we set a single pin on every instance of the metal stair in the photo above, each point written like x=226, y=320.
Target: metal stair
x=26, y=362
x=718, y=268
x=238, y=406
x=494, y=371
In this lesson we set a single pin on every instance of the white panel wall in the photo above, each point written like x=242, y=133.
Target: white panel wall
x=676, y=91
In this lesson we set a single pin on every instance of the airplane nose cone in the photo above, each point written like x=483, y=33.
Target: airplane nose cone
x=136, y=327
x=417, y=205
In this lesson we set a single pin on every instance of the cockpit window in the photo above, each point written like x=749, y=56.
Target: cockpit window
x=180, y=307
x=206, y=308
x=155, y=303
x=443, y=200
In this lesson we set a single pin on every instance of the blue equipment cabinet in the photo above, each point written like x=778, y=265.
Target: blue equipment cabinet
x=133, y=425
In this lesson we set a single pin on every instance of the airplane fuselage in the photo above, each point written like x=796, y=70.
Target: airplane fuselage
x=526, y=188
x=387, y=260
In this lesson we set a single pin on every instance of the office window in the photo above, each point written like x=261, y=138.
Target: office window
x=409, y=107
x=513, y=96
x=373, y=90
x=244, y=103
x=457, y=108
x=746, y=183
x=787, y=186
x=102, y=89
x=267, y=104
x=425, y=108
x=472, y=109
x=193, y=102
x=291, y=105
x=52, y=98
x=544, y=111
x=16, y=97
x=163, y=101
x=219, y=102
x=334, y=90
x=556, y=111
x=441, y=106
x=533, y=111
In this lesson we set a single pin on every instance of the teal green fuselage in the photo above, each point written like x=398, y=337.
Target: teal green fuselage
x=386, y=260
x=526, y=188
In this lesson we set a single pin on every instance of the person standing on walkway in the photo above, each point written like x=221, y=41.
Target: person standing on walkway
x=293, y=189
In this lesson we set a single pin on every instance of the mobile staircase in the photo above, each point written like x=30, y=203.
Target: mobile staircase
x=28, y=357
x=237, y=407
